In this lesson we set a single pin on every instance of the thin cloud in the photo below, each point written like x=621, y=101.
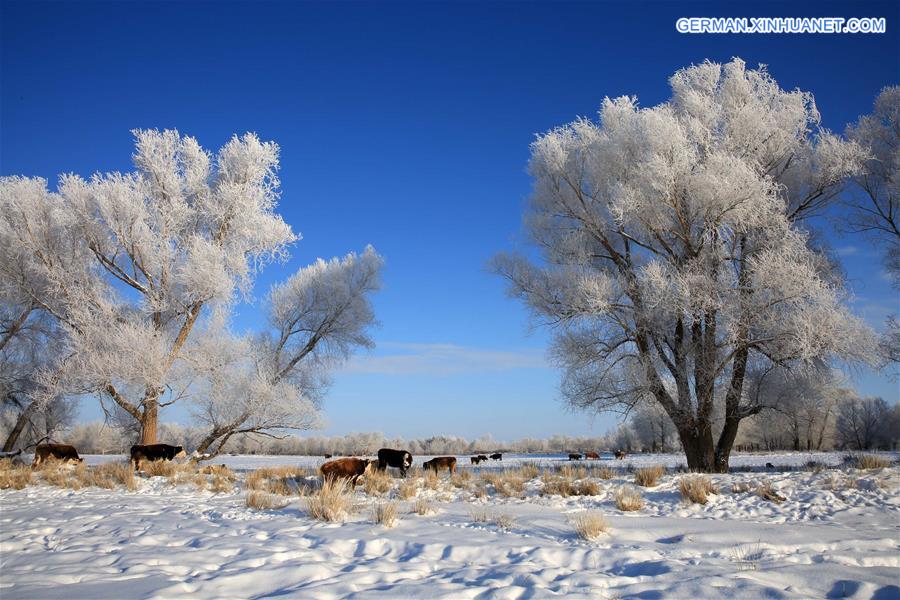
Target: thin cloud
x=847, y=250
x=443, y=359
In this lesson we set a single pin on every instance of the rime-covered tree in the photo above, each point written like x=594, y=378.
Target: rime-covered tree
x=275, y=380
x=876, y=206
x=673, y=255
x=139, y=267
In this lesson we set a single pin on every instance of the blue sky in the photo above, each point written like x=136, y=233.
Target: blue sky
x=407, y=126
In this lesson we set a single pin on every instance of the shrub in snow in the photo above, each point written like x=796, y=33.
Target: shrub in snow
x=589, y=525
x=423, y=506
x=629, y=498
x=649, y=476
x=377, y=483
x=870, y=461
x=14, y=476
x=332, y=502
x=385, y=513
x=264, y=500
x=767, y=491
x=696, y=488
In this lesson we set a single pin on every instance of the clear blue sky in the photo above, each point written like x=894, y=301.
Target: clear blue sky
x=407, y=126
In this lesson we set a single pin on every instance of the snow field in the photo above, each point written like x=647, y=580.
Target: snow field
x=835, y=533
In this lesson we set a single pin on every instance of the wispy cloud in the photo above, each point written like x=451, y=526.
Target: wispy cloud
x=443, y=359
x=847, y=250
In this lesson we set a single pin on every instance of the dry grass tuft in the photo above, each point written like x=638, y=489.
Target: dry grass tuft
x=587, y=487
x=649, y=476
x=558, y=485
x=220, y=484
x=112, y=474
x=571, y=472
x=461, y=479
x=264, y=500
x=408, y=488
x=696, y=488
x=508, y=483
x=332, y=502
x=284, y=481
x=479, y=514
x=422, y=506
x=605, y=473
x=385, y=513
x=503, y=521
x=14, y=476
x=431, y=480
x=589, y=524
x=159, y=468
x=529, y=471
x=766, y=491
x=870, y=461
x=219, y=471
x=377, y=483
x=628, y=498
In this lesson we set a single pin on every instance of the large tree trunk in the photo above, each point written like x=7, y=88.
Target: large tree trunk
x=726, y=442
x=150, y=421
x=698, y=448
x=24, y=418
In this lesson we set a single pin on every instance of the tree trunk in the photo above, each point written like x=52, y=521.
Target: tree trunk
x=698, y=448
x=149, y=421
x=24, y=418
x=726, y=441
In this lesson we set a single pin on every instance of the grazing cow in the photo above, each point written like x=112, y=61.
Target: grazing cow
x=770, y=466
x=620, y=454
x=399, y=459
x=63, y=452
x=573, y=456
x=496, y=456
x=482, y=457
x=592, y=455
x=346, y=468
x=441, y=462
x=328, y=455
x=152, y=452
x=475, y=460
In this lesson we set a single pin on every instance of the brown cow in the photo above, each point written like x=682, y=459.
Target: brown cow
x=441, y=462
x=592, y=455
x=63, y=452
x=620, y=454
x=346, y=468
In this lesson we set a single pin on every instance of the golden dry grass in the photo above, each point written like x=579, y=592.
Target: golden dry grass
x=159, y=468
x=479, y=514
x=332, y=502
x=529, y=471
x=461, y=479
x=408, y=488
x=283, y=481
x=508, y=483
x=696, y=488
x=870, y=461
x=589, y=524
x=649, y=476
x=377, y=483
x=558, y=485
x=13, y=476
x=628, y=498
x=265, y=501
x=385, y=513
x=422, y=506
x=430, y=480
x=113, y=474
x=604, y=473
x=767, y=491
x=503, y=521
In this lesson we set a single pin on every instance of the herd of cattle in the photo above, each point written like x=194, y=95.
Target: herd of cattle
x=344, y=468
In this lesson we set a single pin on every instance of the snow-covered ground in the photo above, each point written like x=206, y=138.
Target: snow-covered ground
x=837, y=534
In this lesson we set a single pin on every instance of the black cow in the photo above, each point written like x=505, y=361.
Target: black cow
x=482, y=457
x=475, y=460
x=151, y=452
x=399, y=459
x=496, y=456
x=574, y=456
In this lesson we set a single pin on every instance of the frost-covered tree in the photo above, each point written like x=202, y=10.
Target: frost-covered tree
x=674, y=258
x=876, y=208
x=129, y=264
